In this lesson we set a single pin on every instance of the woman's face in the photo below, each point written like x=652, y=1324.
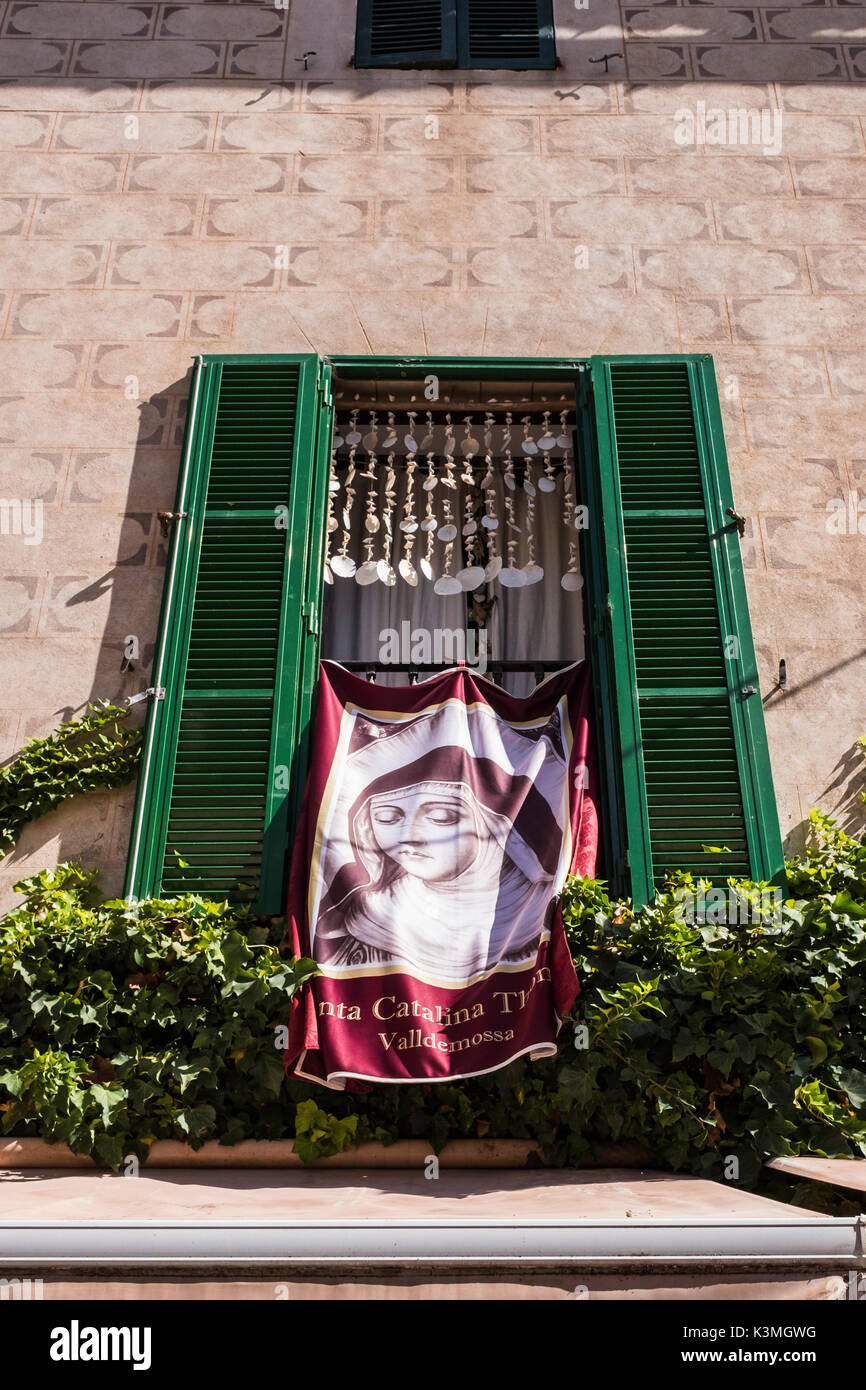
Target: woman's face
x=432, y=837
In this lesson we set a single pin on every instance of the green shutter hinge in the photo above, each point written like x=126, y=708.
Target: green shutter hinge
x=308, y=611
x=323, y=382
x=601, y=617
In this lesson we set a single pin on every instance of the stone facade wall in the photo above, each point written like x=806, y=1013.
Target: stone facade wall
x=154, y=158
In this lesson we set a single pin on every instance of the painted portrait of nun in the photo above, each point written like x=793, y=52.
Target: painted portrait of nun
x=449, y=866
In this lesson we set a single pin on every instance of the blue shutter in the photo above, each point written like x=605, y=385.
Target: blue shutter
x=399, y=34
x=516, y=34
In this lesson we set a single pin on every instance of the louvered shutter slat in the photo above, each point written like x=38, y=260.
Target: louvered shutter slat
x=695, y=766
x=515, y=34
x=392, y=33
x=212, y=814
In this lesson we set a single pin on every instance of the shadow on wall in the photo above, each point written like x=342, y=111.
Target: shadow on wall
x=842, y=799
x=844, y=795
x=275, y=43
x=116, y=494
x=119, y=493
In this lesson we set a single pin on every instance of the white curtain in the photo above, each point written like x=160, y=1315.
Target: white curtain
x=541, y=622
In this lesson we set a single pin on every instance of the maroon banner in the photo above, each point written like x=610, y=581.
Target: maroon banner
x=439, y=824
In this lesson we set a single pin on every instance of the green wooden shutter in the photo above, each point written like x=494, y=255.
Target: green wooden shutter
x=238, y=647
x=397, y=34
x=515, y=34
x=675, y=627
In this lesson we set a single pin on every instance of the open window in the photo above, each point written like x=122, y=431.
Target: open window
x=637, y=459
x=516, y=34
x=453, y=529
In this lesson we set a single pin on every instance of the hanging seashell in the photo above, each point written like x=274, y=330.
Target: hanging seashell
x=343, y=566
x=353, y=437
x=408, y=572
x=431, y=480
x=472, y=574
x=562, y=439
x=572, y=580
x=447, y=585
x=447, y=531
x=391, y=432
x=448, y=480
x=508, y=475
x=409, y=439
x=469, y=445
x=471, y=577
x=371, y=439
x=490, y=522
x=532, y=573
x=333, y=524
x=386, y=573
x=367, y=574
x=429, y=525
x=488, y=433
x=528, y=444
x=512, y=578
x=547, y=440
x=450, y=443
x=492, y=568
x=427, y=443
x=409, y=526
x=506, y=434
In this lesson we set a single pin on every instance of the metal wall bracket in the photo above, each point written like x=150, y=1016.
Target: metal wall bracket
x=167, y=519
x=739, y=521
x=153, y=692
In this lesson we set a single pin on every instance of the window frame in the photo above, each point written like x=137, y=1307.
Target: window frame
x=455, y=40
x=623, y=812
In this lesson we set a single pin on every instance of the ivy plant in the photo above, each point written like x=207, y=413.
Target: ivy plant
x=705, y=1046
x=100, y=749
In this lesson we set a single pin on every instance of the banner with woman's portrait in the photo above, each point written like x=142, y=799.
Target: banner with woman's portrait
x=439, y=824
